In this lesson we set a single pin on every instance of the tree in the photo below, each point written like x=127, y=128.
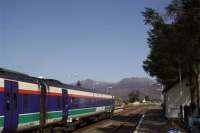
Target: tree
x=165, y=55
x=118, y=100
x=174, y=44
x=134, y=96
x=78, y=83
x=187, y=17
x=147, y=98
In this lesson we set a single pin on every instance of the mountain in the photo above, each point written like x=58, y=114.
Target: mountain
x=145, y=86
x=89, y=83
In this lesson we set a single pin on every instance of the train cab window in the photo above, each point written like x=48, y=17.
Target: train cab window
x=25, y=103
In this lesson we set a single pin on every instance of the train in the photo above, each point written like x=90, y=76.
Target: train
x=32, y=103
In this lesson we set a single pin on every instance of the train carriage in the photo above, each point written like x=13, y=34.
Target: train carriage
x=16, y=91
x=56, y=101
x=84, y=103
x=27, y=102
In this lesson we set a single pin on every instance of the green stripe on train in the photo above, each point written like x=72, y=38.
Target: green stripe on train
x=1, y=121
x=81, y=111
x=29, y=118
x=51, y=115
x=36, y=116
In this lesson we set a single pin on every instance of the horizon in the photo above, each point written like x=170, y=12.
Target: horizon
x=40, y=76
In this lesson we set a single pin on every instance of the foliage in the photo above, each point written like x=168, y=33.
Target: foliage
x=174, y=42
x=78, y=83
x=118, y=100
x=147, y=98
x=134, y=96
x=125, y=102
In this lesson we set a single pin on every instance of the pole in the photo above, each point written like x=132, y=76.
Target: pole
x=180, y=80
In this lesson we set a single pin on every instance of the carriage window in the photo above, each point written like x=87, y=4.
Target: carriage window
x=26, y=102
x=75, y=102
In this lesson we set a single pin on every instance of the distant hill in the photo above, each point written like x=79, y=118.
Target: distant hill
x=145, y=86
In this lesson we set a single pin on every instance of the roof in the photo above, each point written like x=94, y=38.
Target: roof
x=14, y=75
x=18, y=76
x=169, y=87
x=57, y=83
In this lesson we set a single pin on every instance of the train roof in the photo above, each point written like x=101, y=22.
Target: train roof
x=14, y=75
x=57, y=83
x=18, y=76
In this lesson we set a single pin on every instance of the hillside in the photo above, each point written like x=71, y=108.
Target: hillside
x=145, y=86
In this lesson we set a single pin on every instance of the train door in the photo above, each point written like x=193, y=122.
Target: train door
x=10, y=106
x=43, y=104
x=65, y=104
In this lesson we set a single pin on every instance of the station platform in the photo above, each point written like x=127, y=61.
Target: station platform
x=153, y=121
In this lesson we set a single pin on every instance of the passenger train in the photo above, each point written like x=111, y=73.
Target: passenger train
x=28, y=102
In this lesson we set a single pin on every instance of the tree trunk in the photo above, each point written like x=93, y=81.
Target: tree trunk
x=196, y=91
x=198, y=95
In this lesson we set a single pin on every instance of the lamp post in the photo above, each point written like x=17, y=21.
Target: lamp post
x=93, y=88
x=180, y=78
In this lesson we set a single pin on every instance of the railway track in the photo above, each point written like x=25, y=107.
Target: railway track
x=123, y=122
x=128, y=126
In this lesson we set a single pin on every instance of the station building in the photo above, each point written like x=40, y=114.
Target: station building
x=177, y=100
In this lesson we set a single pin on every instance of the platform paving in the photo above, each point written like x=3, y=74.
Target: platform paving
x=153, y=121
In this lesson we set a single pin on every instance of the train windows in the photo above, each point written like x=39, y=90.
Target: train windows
x=25, y=102
x=103, y=102
x=90, y=102
x=82, y=102
x=97, y=102
x=100, y=102
x=106, y=102
x=75, y=102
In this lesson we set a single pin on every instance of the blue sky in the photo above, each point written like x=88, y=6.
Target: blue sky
x=75, y=39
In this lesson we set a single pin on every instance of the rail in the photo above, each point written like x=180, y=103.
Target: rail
x=129, y=125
